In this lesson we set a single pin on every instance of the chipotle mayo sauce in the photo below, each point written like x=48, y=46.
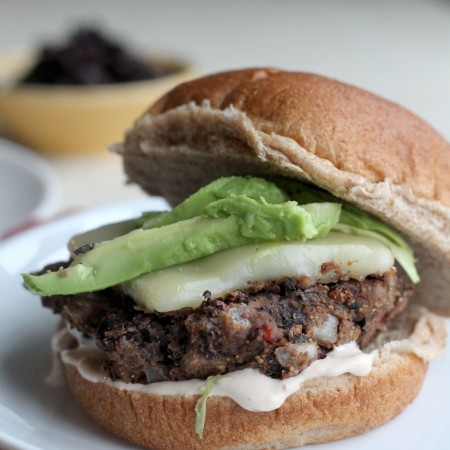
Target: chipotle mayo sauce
x=249, y=388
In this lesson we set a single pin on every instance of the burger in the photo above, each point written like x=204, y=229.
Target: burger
x=290, y=295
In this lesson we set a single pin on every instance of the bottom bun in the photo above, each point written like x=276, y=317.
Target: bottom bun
x=323, y=409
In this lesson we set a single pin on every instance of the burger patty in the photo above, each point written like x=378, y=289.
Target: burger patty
x=278, y=327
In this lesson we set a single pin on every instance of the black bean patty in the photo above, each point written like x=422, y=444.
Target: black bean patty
x=278, y=327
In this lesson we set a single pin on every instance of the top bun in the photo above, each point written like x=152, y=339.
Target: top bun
x=360, y=147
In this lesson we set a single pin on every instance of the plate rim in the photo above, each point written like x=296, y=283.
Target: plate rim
x=41, y=170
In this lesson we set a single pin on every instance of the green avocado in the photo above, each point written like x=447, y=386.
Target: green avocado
x=252, y=187
x=227, y=213
x=225, y=223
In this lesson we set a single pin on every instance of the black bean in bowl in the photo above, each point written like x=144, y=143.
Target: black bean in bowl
x=89, y=57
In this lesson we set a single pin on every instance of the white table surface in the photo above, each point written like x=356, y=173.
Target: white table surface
x=399, y=49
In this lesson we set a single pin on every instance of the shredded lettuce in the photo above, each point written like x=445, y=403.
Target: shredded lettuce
x=200, y=406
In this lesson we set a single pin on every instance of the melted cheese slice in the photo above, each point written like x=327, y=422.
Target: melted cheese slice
x=183, y=285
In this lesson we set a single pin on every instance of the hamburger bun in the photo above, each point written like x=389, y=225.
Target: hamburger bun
x=361, y=148
x=364, y=150
x=324, y=409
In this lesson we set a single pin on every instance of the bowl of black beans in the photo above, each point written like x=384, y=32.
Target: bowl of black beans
x=80, y=95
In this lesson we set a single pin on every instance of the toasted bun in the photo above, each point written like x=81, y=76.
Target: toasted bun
x=324, y=409
x=361, y=148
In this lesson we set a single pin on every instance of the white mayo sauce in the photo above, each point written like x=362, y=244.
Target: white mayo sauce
x=249, y=388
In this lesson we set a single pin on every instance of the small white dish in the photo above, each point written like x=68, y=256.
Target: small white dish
x=29, y=189
x=36, y=416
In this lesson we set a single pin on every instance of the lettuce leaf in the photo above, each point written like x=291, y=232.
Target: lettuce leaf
x=200, y=406
x=355, y=221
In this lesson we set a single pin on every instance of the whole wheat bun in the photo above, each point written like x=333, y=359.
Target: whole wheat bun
x=324, y=409
x=361, y=148
x=355, y=145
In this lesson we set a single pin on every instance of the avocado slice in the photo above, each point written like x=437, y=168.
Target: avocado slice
x=226, y=223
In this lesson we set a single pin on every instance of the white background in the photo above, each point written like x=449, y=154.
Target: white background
x=399, y=49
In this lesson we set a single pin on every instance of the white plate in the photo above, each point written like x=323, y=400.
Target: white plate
x=29, y=189
x=34, y=416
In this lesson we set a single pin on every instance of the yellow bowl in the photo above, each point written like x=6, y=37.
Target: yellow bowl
x=76, y=119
